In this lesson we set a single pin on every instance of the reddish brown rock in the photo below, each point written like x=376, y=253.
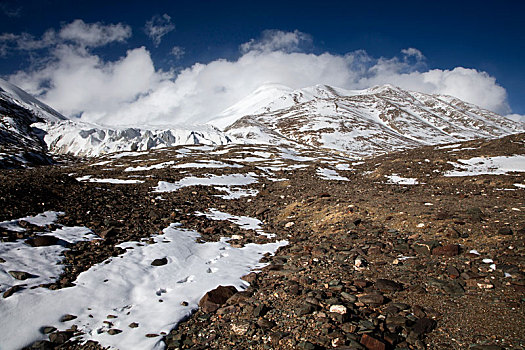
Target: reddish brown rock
x=213, y=299
x=372, y=343
x=446, y=250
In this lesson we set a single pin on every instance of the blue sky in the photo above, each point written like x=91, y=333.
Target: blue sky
x=416, y=45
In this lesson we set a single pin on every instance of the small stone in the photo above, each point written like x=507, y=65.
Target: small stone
x=385, y=285
x=47, y=329
x=374, y=299
x=133, y=325
x=240, y=328
x=452, y=272
x=505, y=231
x=159, y=262
x=423, y=325
x=21, y=275
x=485, y=285
x=265, y=324
x=114, y=331
x=60, y=337
x=348, y=297
x=372, y=343
x=12, y=290
x=338, y=309
x=67, y=317
x=306, y=345
x=42, y=241
x=110, y=232
x=446, y=250
x=151, y=335
x=304, y=309
x=289, y=224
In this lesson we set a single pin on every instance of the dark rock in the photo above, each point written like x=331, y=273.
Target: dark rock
x=68, y=317
x=423, y=325
x=133, y=325
x=114, y=331
x=449, y=287
x=452, y=272
x=47, y=329
x=306, y=345
x=21, y=275
x=506, y=231
x=42, y=241
x=372, y=343
x=446, y=250
x=475, y=214
x=41, y=345
x=260, y=310
x=60, y=337
x=12, y=290
x=110, y=232
x=371, y=299
x=216, y=297
x=159, y=262
x=265, y=324
x=304, y=309
x=385, y=285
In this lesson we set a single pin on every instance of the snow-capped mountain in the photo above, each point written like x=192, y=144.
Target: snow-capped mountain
x=359, y=122
x=31, y=130
x=87, y=140
x=20, y=143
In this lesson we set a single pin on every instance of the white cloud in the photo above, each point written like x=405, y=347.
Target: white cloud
x=177, y=51
x=157, y=27
x=277, y=40
x=77, y=33
x=412, y=52
x=132, y=91
x=94, y=34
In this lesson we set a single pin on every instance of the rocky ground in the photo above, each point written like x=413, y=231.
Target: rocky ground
x=370, y=264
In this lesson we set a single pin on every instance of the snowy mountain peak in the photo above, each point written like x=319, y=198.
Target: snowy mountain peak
x=18, y=96
x=364, y=122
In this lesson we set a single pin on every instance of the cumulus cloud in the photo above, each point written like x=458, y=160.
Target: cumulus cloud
x=157, y=27
x=94, y=34
x=77, y=33
x=277, y=40
x=131, y=91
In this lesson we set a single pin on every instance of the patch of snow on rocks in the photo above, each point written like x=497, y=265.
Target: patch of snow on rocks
x=130, y=289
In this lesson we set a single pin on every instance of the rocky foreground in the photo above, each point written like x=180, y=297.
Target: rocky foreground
x=383, y=253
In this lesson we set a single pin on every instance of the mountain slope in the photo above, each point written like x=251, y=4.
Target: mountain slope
x=20, y=143
x=365, y=122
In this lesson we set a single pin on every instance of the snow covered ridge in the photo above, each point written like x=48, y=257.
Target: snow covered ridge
x=83, y=139
x=14, y=94
x=365, y=122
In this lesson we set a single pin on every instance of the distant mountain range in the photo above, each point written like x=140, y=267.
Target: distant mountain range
x=357, y=122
